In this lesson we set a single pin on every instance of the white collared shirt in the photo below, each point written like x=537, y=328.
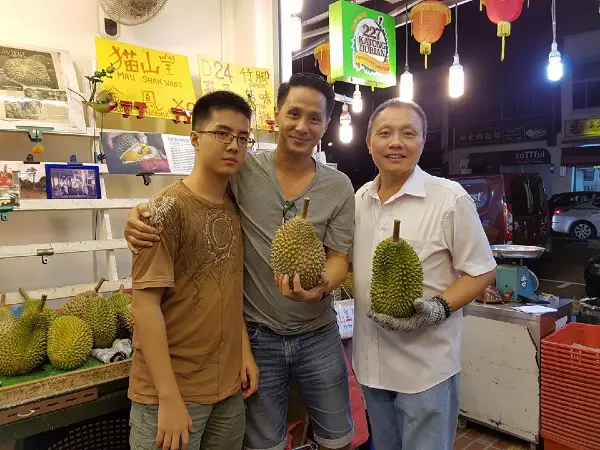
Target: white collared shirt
x=440, y=221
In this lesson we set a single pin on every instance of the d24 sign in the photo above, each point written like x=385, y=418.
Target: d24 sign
x=362, y=46
x=252, y=83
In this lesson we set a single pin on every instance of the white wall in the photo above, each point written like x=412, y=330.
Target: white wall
x=239, y=31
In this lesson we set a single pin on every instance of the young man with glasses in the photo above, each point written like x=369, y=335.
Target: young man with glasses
x=293, y=332
x=193, y=357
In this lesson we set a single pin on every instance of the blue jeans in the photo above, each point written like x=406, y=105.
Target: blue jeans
x=423, y=421
x=315, y=360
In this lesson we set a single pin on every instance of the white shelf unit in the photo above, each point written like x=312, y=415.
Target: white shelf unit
x=102, y=241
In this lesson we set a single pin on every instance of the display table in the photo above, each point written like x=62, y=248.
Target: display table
x=500, y=378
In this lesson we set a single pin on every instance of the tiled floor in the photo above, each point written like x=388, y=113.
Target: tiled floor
x=474, y=437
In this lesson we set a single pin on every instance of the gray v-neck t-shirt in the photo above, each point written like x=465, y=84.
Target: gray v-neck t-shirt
x=262, y=206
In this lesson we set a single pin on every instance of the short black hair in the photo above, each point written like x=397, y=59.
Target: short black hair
x=219, y=100
x=397, y=103
x=309, y=80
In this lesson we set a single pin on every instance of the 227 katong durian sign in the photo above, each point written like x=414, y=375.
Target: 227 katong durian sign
x=362, y=45
x=160, y=79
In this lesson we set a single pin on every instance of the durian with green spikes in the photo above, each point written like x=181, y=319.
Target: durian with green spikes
x=7, y=318
x=33, y=304
x=397, y=277
x=101, y=316
x=23, y=349
x=296, y=248
x=69, y=342
x=77, y=305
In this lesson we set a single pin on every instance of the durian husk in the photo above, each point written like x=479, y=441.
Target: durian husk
x=23, y=349
x=397, y=277
x=101, y=316
x=32, y=304
x=77, y=305
x=121, y=302
x=7, y=318
x=69, y=342
x=296, y=248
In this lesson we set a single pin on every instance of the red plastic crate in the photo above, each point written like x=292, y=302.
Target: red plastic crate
x=570, y=388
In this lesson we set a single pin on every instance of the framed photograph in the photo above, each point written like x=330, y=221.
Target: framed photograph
x=72, y=182
x=9, y=186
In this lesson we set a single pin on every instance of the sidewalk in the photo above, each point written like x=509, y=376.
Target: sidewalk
x=480, y=438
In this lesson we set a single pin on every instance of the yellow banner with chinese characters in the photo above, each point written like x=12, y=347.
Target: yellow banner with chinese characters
x=583, y=127
x=220, y=75
x=160, y=79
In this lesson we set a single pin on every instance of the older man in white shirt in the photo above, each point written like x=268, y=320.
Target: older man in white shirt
x=409, y=368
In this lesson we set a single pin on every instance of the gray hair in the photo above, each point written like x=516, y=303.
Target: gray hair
x=397, y=103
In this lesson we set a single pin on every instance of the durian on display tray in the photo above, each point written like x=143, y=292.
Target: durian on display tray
x=296, y=248
x=77, y=305
x=7, y=318
x=31, y=304
x=69, y=342
x=23, y=348
x=397, y=277
x=101, y=316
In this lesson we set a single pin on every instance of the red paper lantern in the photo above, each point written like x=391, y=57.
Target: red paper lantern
x=428, y=21
x=502, y=13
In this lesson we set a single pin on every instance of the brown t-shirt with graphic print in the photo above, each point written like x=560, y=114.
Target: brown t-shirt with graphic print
x=199, y=260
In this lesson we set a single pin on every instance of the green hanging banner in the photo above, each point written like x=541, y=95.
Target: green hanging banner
x=362, y=45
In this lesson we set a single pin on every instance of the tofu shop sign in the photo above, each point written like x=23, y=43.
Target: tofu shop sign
x=510, y=158
x=362, y=45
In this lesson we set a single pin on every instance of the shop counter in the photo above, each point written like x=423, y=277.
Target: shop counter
x=500, y=378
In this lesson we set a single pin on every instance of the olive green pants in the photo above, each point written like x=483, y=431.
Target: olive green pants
x=216, y=427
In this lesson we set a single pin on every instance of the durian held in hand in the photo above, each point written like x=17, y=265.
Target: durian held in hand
x=296, y=249
x=397, y=279
x=23, y=348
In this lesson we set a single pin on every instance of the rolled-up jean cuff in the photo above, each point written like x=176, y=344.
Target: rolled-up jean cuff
x=336, y=443
x=281, y=446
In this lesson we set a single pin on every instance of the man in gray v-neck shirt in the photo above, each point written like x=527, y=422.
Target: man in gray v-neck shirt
x=262, y=207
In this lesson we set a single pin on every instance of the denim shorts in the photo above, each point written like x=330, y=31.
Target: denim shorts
x=216, y=427
x=316, y=361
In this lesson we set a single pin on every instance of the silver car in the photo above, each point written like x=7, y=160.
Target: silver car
x=582, y=220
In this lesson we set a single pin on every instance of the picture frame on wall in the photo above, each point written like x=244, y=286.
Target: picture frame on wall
x=73, y=182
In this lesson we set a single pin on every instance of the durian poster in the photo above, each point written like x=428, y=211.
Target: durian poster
x=160, y=79
x=32, y=87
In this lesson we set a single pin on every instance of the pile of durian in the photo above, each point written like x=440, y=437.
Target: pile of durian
x=64, y=338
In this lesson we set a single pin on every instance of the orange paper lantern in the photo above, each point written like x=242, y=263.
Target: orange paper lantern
x=428, y=21
x=321, y=55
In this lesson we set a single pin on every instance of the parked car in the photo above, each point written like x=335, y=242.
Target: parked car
x=591, y=275
x=582, y=221
x=513, y=207
x=571, y=198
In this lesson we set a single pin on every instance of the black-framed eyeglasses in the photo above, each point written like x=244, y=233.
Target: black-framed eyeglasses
x=227, y=138
x=289, y=211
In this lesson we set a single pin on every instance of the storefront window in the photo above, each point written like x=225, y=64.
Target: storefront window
x=586, y=179
x=586, y=85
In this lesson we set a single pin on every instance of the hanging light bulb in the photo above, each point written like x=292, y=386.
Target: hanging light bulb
x=296, y=33
x=357, y=103
x=295, y=6
x=456, y=80
x=406, y=86
x=345, y=125
x=555, y=67
x=406, y=79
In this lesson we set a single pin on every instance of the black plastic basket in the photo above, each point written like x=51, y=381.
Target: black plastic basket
x=589, y=311
x=107, y=432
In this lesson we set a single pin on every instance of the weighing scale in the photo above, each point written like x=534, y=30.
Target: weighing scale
x=515, y=276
